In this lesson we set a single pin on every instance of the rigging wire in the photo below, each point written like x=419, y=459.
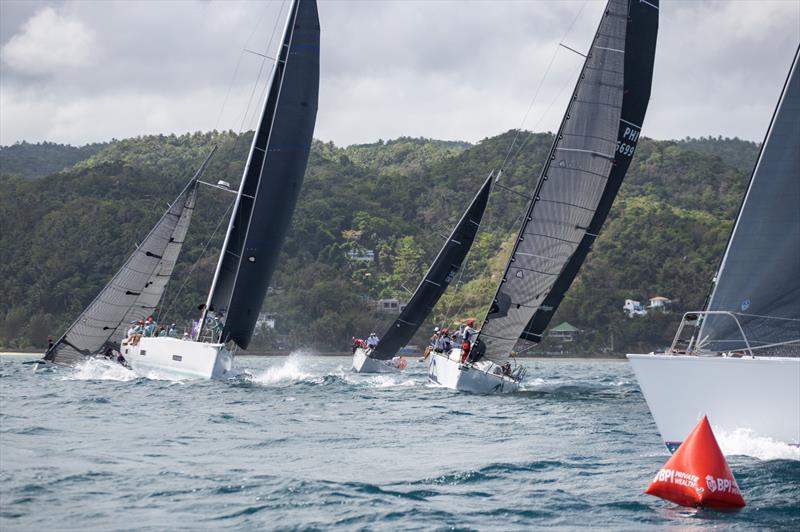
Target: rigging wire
x=241, y=128
x=238, y=65
x=508, y=158
x=196, y=263
x=260, y=70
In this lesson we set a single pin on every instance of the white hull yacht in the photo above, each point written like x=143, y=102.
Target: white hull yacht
x=259, y=220
x=442, y=270
x=177, y=358
x=569, y=203
x=482, y=377
x=363, y=363
x=735, y=392
x=740, y=364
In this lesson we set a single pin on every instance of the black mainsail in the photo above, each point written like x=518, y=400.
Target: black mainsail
x=437, y=279
x=759, y=276
x=588, y=160
x=272, y=178
x=135, y=289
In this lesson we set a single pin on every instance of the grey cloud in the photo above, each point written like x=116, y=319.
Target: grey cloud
x=458, y=70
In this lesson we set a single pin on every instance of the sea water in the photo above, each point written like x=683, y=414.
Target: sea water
x=303, y=443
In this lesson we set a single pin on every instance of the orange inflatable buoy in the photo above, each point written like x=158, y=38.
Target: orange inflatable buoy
x=402, y=363
x=698, y=475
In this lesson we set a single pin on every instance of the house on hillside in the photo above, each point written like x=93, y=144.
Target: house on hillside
x=634, y=308
x=660, y=303
x=390, y=306
x=564, y=332
x=365, y=256
x=266, y=320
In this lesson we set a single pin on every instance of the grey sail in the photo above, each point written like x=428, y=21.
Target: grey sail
x=437, y=279
x=151, y=295
x=272, y=178
x=133, y=291
x=588, y=160
x=759, y=276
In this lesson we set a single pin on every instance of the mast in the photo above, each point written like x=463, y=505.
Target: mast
x=237, y=201
x=271, y=180
x=591, y=151
x=757, y=277
x=442, y=270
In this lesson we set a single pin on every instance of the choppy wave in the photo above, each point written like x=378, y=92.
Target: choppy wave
x=304, y=443
x=300, y=368
x=746, y=442
x=95, y=369
x=293, y=369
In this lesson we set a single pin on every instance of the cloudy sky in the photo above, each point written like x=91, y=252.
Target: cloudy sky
x=83, y=71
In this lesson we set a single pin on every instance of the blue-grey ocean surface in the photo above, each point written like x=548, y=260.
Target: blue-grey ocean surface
x=301, y=443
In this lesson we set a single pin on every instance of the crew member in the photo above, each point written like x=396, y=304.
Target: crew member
x=372, y=341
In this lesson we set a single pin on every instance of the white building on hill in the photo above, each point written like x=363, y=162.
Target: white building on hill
x=634, y=308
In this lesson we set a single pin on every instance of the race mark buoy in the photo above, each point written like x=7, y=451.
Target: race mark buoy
x=697, y=474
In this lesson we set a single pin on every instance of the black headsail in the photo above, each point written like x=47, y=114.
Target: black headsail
x=588, y=160
x=759, y=276
x=441, y=272
x=135, y=289
x=272, y=178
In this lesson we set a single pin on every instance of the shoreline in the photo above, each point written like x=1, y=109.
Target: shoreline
x=260, y=354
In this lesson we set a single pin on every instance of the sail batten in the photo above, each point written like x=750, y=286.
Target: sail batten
x=585, y=167
x=272, y=178
x=758, y=278
x=438, y=277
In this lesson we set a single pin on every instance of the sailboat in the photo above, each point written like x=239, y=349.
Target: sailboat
x=741, y=362
x=259, y=220
x=134, y=291
x=579, y=181
x=382, y=358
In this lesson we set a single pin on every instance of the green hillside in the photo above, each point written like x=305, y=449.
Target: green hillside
x=38, y=160
x=66, y=233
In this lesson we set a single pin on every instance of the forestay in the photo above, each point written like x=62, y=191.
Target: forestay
x=135, y=289
x=437, y=279
x=588, y=160
x=759, y=277
x=272, y=178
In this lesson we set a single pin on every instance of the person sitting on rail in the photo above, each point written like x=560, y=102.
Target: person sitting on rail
x=150, y=326
x=444, y=343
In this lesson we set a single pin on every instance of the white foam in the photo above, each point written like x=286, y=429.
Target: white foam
x=746, y=442
x=96, y=369
x=290, y=371
x=388, y=381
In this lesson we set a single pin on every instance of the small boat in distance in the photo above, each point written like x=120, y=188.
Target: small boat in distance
x=741, y=362
x=260, y=218
x=383, y=357
x=570, y=202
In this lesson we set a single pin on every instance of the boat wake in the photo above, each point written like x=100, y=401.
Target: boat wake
x=746, y=442
x=298, y=368
x=577, y=389
x=95, y=369
x=382, y=380
x=292, y=370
